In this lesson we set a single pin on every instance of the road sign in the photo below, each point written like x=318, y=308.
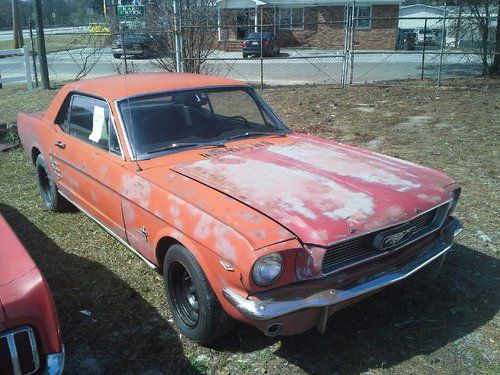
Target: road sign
x=131, y=12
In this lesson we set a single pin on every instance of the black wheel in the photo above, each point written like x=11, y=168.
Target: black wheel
x=117, y=55
x=195, y=308
x=245, y=56
x=48, y=189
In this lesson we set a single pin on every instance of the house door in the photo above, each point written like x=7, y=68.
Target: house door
x=245, y=22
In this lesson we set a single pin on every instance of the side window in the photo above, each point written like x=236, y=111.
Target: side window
x=89, y=120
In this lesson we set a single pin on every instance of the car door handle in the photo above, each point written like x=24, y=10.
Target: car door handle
x=60, y=144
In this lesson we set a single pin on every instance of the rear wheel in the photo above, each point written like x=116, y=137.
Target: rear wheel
x=245, y=56
x=117, y=55
x=48, y=189
x=196, y=310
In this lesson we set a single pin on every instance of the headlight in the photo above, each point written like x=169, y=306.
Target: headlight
x=267, y=269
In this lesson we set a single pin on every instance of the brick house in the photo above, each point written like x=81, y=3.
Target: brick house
x=315, y=24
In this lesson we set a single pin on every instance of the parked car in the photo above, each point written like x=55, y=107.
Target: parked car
x=252, y=45
x=245, y=218
x=140, y=45
x=425, y=36
x=30, y=340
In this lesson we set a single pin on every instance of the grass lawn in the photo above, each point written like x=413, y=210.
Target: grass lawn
x=446, y=326
x=62, y=42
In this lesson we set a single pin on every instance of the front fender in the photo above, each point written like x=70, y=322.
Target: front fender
x=212, y=265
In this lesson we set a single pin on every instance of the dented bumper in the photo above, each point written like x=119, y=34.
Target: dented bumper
x=267, y=309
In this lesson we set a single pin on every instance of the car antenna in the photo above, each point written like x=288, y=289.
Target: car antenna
x=138, y=168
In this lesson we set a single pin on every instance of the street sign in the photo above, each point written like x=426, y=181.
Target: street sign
x=131, y=12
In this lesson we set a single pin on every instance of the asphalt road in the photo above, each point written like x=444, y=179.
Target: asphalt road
x=7, y=34
x=293, y=67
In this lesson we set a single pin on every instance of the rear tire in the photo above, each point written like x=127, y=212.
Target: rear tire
x=245, y=56
x=117, y=55
x=48, y=189
x=195, y=308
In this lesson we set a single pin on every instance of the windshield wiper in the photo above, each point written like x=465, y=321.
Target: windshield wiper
x=252, y=134
x=186, y=145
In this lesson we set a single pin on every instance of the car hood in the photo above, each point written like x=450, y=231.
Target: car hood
x=321, y=190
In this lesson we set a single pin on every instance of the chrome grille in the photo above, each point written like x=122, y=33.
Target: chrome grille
x=18, y=352
x=359, y=249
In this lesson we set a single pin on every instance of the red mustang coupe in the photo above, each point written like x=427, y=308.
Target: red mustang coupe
x=30, y=341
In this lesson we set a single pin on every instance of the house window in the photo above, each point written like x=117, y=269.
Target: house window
x=292, y=18
x=362, y=17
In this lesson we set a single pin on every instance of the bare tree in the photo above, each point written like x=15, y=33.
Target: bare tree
x=198, y=30
x=481, y=21
x=495, y=67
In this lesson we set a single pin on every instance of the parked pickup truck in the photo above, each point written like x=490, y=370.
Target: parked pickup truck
x=30, y=341
x=245, y=218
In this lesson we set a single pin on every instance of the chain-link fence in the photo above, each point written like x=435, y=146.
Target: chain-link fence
x=338, y=45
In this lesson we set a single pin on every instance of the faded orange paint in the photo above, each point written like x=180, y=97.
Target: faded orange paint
x=296, y=194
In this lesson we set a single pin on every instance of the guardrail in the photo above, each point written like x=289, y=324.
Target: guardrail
x=27, y=66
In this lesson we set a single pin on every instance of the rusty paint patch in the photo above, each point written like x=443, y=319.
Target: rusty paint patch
x=321, y=191
x=232, y=149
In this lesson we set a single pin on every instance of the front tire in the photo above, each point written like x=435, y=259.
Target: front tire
x=48, y=189
x=195, y=308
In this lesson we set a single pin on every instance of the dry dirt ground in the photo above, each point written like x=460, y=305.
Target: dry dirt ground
x=447, y=326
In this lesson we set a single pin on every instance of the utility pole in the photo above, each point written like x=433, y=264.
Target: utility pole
x=17, y=31
x=40, y=38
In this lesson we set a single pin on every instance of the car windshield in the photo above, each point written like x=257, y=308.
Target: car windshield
x=159, y=123
x=257, y=36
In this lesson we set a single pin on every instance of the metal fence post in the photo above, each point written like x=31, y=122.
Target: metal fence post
x=423, y=52
x=33, y=55
x=352, y=27
x=261, y=44
x=178, y=40
x=27, y=68
x=443, y=39
x=345, y=61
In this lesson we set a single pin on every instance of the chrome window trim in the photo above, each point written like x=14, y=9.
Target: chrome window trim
x=124, y=131
x=170, y=91
x=122, y=155
x=255, y=95
x=437, y=223
x=9, y=335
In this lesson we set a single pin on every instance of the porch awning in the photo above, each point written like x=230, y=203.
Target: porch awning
x=239, y=4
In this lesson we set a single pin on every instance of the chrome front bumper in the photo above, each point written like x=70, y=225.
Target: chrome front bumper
x=273, y=308
x=127, y=51
x=55, y=363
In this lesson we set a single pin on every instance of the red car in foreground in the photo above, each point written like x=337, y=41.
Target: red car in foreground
x=30, y=341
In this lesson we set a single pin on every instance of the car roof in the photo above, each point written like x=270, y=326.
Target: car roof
x=122, y=86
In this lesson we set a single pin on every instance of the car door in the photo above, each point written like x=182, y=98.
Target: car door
x=87, y=159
